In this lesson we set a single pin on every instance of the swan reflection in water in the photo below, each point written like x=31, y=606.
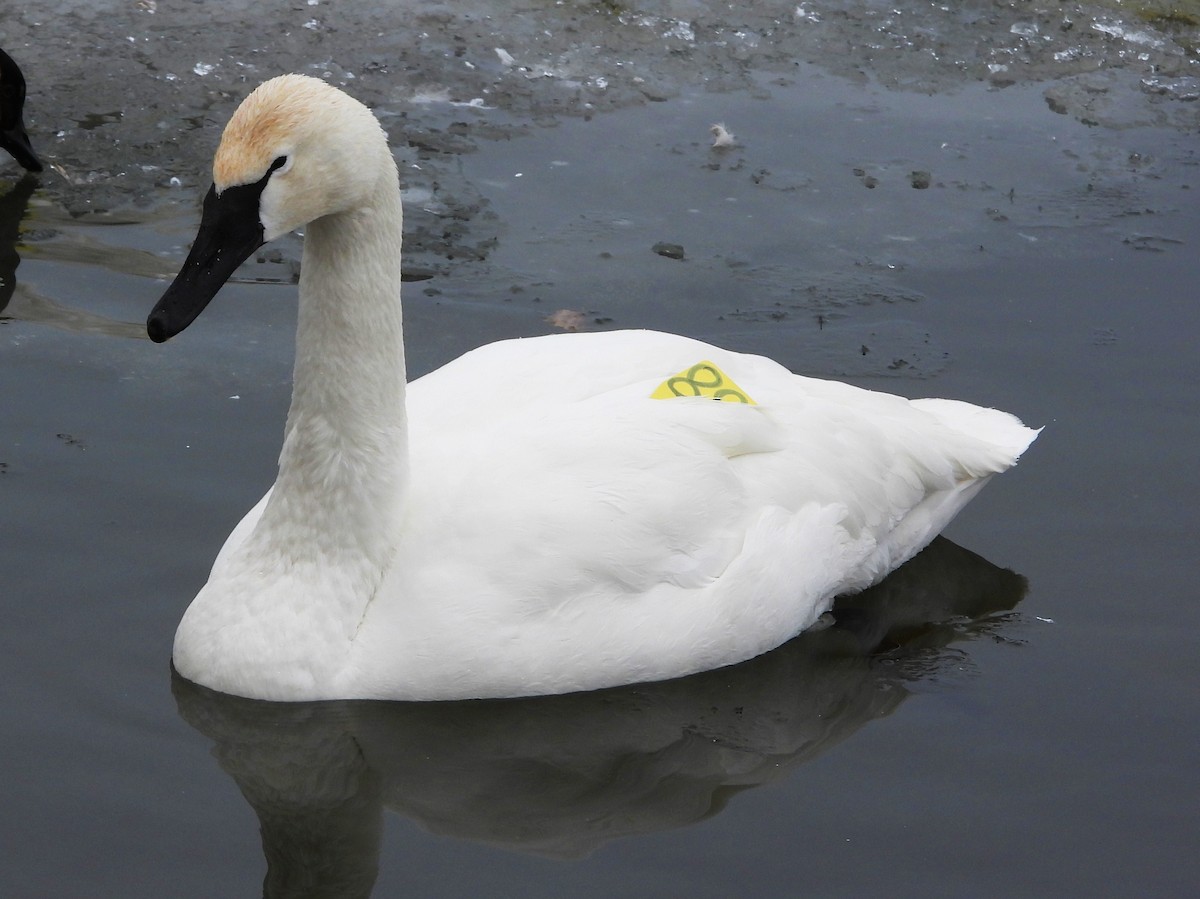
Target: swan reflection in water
x=44, y=233
x=562, y=775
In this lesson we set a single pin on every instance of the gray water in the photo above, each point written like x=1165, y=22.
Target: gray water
x=985, y=202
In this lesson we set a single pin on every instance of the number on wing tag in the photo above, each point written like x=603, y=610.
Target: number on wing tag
x=702, y=379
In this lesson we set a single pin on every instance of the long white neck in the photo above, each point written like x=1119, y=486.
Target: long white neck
x=343, y=466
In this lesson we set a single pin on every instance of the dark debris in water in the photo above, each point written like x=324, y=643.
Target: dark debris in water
x=669, y=250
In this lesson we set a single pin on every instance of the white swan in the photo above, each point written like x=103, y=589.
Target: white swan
x=527, y=519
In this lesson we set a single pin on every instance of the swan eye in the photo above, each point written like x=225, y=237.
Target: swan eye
x=280, y=165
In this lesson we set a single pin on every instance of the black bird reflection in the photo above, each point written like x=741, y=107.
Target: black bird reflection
x=13, y=204
x=562, y=775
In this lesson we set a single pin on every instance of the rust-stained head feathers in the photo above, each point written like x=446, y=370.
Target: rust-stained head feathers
x=269, y=123
x=324, y=152
x=287, y=114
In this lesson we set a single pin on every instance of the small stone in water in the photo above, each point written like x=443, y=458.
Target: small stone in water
x=670, y=250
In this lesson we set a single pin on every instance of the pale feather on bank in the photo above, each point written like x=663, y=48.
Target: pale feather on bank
x=533, y=517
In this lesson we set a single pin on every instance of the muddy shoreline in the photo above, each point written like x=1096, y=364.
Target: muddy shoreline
x=127, y=98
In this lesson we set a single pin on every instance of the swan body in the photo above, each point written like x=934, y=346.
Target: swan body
x=527, y=519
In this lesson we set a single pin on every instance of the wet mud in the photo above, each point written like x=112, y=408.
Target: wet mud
x=127, y=98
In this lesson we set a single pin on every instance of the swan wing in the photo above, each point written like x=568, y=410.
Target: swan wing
x=564, y=530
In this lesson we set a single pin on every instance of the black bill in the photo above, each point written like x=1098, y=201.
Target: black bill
x=230, y=231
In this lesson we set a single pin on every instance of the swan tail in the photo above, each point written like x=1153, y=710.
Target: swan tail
x=1002, y=431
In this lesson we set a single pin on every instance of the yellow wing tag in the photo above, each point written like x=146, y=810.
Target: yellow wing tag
x=702, y=379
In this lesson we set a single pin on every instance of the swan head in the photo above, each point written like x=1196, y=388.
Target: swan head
x=296, y=149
